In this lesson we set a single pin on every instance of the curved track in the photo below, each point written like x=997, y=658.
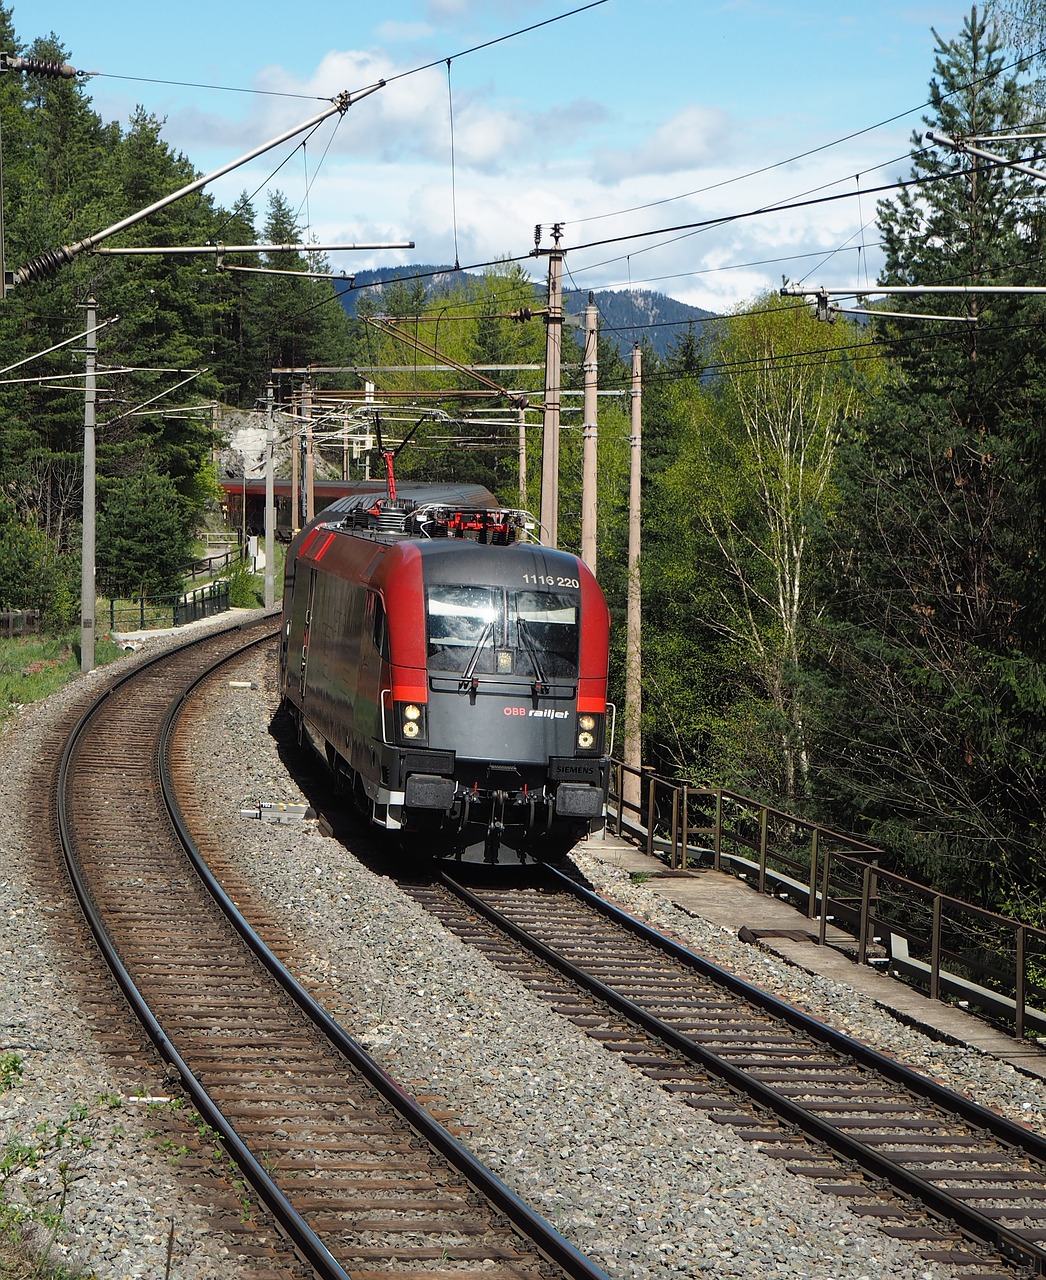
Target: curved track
x=967, y=1186
x=357, y=1174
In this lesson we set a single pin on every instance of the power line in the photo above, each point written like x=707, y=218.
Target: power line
x=273, y=93
x=803, y=155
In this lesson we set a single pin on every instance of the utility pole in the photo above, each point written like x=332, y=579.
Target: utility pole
x=295, y=475
x=522, y=419
x=553, y=358
x=88, y=598
x=590, y=440
x=270, y=502
x=633, y=750
x=310, y=473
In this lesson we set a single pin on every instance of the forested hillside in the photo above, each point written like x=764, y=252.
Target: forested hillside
x=67, y=174
x=625, y=316
x=844, y=533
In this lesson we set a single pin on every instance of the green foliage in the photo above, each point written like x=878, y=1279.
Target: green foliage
x=68, y=174
x=246, y=591
x=729, y=564
x=144, y=536
x=34, y=667
x=929, y=696
x=37, y=1170
x=34, y=574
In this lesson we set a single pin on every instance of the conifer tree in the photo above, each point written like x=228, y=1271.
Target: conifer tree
x=932, y=658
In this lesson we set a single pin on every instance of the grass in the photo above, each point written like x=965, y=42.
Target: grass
x=34, y=667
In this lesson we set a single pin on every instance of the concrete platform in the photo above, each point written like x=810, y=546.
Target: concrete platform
x=781, y=929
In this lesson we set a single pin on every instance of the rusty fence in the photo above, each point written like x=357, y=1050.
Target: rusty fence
x=947, y=948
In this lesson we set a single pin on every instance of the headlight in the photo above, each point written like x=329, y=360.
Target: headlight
x=588, y=738
x=411, y=723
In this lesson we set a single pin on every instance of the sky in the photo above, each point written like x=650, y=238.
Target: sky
x=624, y=118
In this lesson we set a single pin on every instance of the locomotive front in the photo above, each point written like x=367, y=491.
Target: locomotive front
x=500, y=736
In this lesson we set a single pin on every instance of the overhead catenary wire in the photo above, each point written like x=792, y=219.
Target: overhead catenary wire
x=803, y=155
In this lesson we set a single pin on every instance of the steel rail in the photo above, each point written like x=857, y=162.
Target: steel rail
x=553, y=1246
x=308, y=1245
x=983, y=1228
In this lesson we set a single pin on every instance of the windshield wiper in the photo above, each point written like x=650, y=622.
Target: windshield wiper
x=540, y=684
x=468, y=680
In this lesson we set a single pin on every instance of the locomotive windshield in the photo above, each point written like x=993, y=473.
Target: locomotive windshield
x=491, y=631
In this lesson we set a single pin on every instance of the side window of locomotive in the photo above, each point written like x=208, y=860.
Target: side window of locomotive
x=550, y=628
x=380, y=630
x=464, y=625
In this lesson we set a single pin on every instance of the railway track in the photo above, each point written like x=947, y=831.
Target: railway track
x=964, y=1185
x=359, y=1177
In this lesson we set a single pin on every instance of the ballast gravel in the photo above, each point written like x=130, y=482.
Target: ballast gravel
x=641, y=1183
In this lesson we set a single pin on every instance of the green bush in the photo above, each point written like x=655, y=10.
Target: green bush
x=246, y=589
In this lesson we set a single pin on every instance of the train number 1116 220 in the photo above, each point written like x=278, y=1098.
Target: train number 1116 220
x=547, y=580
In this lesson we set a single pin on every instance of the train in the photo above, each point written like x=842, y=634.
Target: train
x=452, y=672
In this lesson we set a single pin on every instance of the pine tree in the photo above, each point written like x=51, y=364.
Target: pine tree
x=931, y=658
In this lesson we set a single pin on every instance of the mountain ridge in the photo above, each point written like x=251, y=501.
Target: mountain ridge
x=626, y=316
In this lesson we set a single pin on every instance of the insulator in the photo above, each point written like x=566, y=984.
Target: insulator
x=38, y=67
x=46, y=264
x=393, y=514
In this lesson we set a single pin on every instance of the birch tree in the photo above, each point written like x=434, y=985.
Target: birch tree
x=753, y=474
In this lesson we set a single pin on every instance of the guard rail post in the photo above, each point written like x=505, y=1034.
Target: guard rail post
x=686, y=822
x=764, y=824
x=825, y=881
x=1018, y=990
x=866, y=898
x=675, y=829
x=811, y=902
x=935, y=949
x=717, y=839
x=651, y=800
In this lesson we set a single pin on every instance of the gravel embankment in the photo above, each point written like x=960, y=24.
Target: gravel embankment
x=123, y=1194
x=643, y=1184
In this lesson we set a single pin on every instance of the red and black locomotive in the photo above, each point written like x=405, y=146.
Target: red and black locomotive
x=453, y=673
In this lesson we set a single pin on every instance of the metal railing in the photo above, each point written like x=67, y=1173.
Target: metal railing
x=950, y=949
x=211, y=565
x=151, y=613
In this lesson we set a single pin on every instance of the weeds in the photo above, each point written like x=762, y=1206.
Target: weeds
x=210, y=1146
x=226, y=1166
x=36, y=1173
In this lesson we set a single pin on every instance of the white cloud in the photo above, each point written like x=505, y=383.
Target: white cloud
x=691, y=139
x=386, y=176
